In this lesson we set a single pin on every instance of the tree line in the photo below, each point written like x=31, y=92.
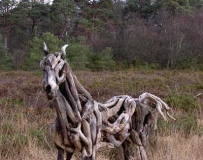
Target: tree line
x=103, y=34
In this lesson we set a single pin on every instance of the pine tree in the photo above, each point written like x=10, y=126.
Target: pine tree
x=6, y=20
x=63, y=13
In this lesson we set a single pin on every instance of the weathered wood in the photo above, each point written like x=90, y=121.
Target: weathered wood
x=93, y=128
x=112, y=111
x=112, y=140
x=58, y=138
x=75, y=140
x=135, y=138
x=85, y=125
x=87, y=134
x=59, y=66
x=61, y=114
x=72, y=87
x=79, y=131
x=72, y=102
x=68, y=110
x=143, y=153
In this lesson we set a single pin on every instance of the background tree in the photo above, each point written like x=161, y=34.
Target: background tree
x=6, y=60
x=6, y=19
x=38, y=16
x=63, y=13
x=95, y=15
x=153, y=33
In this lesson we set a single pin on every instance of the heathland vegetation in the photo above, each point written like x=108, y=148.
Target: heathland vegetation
x=132, y=46
x=26, y=114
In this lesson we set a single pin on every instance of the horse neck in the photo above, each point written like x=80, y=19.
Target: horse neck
x=65, y=108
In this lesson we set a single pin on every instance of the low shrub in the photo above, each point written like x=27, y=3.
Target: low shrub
x=101, y=61
x=183, y=102
x=77, y=55
x=36, y=52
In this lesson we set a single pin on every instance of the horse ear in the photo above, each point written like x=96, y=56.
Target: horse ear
x=45, y=48
x=63, y=51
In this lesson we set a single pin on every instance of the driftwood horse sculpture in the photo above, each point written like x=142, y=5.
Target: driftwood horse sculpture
x=85, y=125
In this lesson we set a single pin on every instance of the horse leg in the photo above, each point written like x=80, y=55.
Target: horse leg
x=60, y=154
x=126, y=152
x=68, y=155
x=120, y=153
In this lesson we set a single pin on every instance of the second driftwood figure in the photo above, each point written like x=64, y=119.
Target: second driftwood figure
x=85, y=125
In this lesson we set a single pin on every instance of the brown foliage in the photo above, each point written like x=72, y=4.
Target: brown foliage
x=25, y=118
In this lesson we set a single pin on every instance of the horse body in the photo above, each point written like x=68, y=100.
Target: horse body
x=85, y=125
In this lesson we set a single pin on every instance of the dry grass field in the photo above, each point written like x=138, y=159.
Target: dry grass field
x=26, y=114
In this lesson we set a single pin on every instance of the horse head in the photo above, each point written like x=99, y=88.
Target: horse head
x=54, y=67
